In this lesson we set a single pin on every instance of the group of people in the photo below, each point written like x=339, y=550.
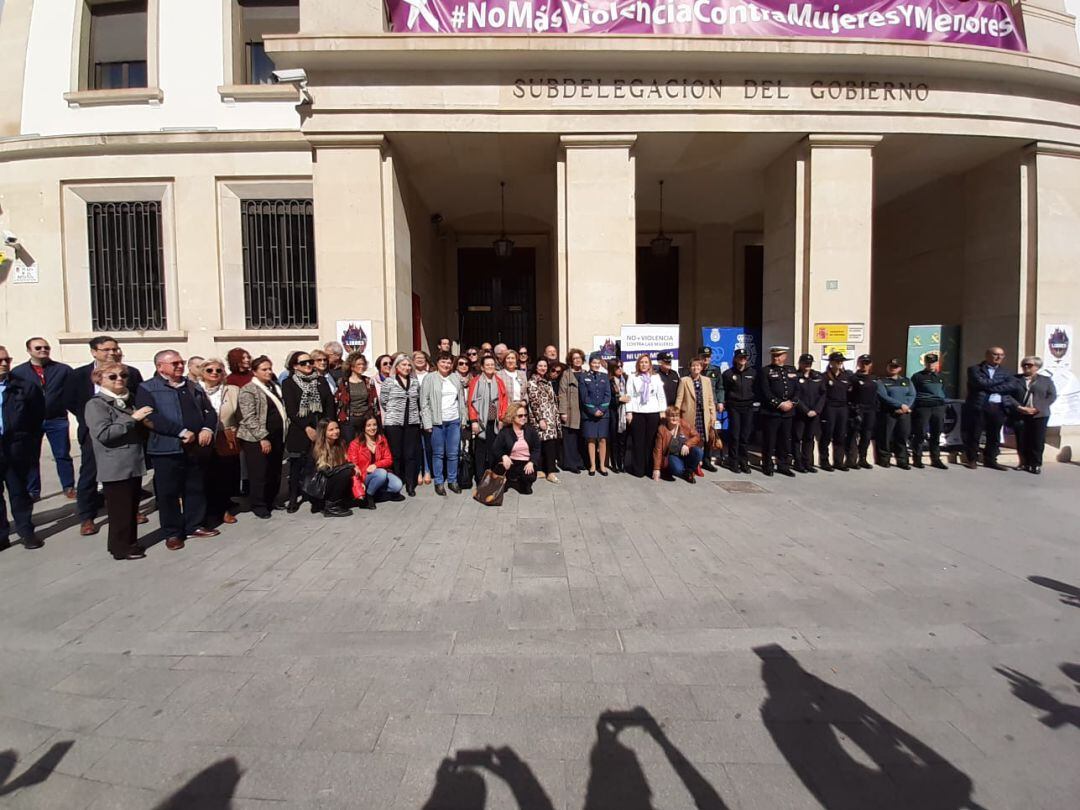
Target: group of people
x=214, y=430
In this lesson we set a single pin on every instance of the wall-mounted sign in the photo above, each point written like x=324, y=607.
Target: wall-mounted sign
x=839, y=332
x=22, y=273
x=965, y=22
x=355, y=335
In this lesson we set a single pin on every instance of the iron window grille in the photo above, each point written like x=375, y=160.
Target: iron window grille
x=279, y=264
x=127, y=278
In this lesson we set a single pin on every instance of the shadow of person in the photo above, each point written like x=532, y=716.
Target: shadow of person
x=1070, y=594
x=1033, y=693
x=1072, y=672
x=847, y=755
x=210, y=789
x=36, y=773
x=616, y=778
x=459, y=785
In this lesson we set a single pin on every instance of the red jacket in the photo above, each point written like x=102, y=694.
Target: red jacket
x=359, y=455
x=504, y=400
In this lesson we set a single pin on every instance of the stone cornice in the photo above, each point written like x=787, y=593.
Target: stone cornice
x=346, y=140
x=29, y=147
x=1052, y=149
x=833, y=140
x=598, y=141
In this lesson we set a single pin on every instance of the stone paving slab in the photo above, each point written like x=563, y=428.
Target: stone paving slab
x=873, y=640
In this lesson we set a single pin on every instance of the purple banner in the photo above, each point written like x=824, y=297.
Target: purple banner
x=960, y=22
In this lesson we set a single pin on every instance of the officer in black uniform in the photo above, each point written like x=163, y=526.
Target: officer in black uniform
x=807, y=427
x=928, y=414
x=738, y=386
x=669, y=377
x=864, y=409
x=778, y=391
x=713, y=373
x=834, y=419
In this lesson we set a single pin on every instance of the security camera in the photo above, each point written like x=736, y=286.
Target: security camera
x=291, y=76
x=10, y=239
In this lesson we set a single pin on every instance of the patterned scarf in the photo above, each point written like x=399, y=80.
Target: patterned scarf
x=310, y=401
x=645, y=389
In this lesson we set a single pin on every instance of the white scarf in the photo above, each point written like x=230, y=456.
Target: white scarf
x=119, y=400
x=270, y=395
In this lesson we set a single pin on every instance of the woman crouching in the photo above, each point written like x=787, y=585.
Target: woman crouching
x=517, y=448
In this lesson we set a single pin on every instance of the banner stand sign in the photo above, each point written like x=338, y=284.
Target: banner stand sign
x=724, y=340
x=1057, y=357
x=648, y=338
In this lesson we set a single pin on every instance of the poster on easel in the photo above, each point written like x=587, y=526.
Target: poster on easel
x=651, y=339
x=1057, y=357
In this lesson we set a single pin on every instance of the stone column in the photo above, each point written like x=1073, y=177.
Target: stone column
x=597, y=264
x=783, y=311
x=357, y=267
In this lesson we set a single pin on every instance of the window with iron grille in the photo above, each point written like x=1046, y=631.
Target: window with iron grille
x=279, y=264
x=127, y=266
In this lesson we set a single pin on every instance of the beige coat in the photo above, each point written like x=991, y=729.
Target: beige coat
x=687, y=403
x=570, y=400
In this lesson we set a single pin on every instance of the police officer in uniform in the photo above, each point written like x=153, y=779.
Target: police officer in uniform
x=807, y=427
x=714, y=374
x=778, y=390
x=897, y=396
x=864, y=410
x=738, y=386
x=928, y=413
x=669, y=376
x=834, y=420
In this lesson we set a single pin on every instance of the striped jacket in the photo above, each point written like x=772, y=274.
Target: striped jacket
x=394, y=399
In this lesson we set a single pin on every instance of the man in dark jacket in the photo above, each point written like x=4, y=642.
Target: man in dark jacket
x=738, y=383
x=807, y=427
x=51, y=376
x=79, y=388
x=669, y=376
x=864, y=409
x=989, y=389
x=928, y=415
x=22, y=411
x=182, y=429
x=778, y=391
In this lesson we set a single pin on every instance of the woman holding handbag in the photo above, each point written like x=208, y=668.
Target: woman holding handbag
x=263, y=423
x=333, y=470
x=223, y=469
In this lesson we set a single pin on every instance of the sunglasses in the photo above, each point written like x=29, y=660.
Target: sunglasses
x=177, y=363
x=303, y=362
x=1027, y=365
x=114, y=377
x=213, y=371
x=5, y=359
x=462, y=365
x=472, y=354
x=41, y=348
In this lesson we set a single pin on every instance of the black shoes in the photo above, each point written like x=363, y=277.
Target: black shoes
x=938, y=464
x=440, y=490
x=993, y=465
x=745, y=467
x=397, y=497
x=365, y=503
x=33, y=543
x=903, y=465
x=454, y=488
x=917, y=463
x=708, y=466
x=786, y=471
x=410, y=490
x=767, y=471
x=811, y=469
x=293, y=507
x=262, y=514
x=603, y=473
x=1035, y=470
x=334, y=509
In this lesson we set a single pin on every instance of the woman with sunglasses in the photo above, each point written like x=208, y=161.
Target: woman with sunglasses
x=223, y=468
x=118, y=432
x=516, y=449
x=307, y=400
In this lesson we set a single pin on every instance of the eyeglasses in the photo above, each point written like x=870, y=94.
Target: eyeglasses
x=471, y=353
x=521, y=416
x=121, y=376
x=462, y=365
x=213, y=370
x=320, y=360
x=384, y=363
x=1027, y=365
x=176, y=363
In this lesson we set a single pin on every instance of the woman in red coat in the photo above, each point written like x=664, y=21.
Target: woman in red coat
x=370, y=454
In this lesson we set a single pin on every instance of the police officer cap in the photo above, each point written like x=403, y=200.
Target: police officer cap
x=930, y=358
x=894, y=363
x=778, y=350
x=705, y=350
x=664, y=357
x=836, y=356
x=865, y=358
x=806, y=358
x=739, y=353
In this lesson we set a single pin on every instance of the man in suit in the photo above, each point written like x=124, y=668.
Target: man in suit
x=41, y=370
x=181, y=434
x=78, y=390
x=989, y=388
x=22, y=412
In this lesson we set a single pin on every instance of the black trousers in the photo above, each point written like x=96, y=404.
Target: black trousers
x=859, y=435
x=894, y=432
x=1030, y=439
x=643, y=430
x=976, y=421
x=517, y=478
x=180, y=488
x=300, y=467
x=405, y=447
x=87, y=500
x=549, y=453
x=927, y=423
x=15, y=466
x=834, y=427
x=806, y=433
x=617, y=449
x=264, y=474
x=122, y=506
x=481, y=446
x=775, y=440
x=222, y=483
x=339, y=487
x=571, y=457
x=740, y=431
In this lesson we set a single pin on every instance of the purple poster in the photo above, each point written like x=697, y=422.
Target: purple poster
x=961, y=22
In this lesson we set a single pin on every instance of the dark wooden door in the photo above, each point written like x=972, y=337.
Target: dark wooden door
x=497, y=297
x=657, y=286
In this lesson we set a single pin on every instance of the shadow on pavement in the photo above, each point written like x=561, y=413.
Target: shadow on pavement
x=616, y=780
x=848, y=755
x=36, y=773
x=1070, y=594
x=210, y=789
x=1033, y=693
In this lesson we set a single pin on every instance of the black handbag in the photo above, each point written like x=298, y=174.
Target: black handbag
x=314, y=486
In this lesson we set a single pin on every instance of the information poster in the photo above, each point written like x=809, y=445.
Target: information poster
x=939, y=339
x=356, y=336
x=724, y=340
x=608, y=346
x=1057, y=357
x=649, y=338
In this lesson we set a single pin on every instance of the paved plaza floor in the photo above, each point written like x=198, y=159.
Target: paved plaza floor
x=882, y=639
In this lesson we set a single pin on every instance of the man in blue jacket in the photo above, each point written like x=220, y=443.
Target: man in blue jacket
x=989, y=389
x=181, y=433
x=41, y=370
x=928, y=418
x=897, y=396
x=22, y=410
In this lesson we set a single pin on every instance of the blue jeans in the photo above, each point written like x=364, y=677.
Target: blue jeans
x=382, y=483
x=445, y=442
x=60, y=444
x=678, y=465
